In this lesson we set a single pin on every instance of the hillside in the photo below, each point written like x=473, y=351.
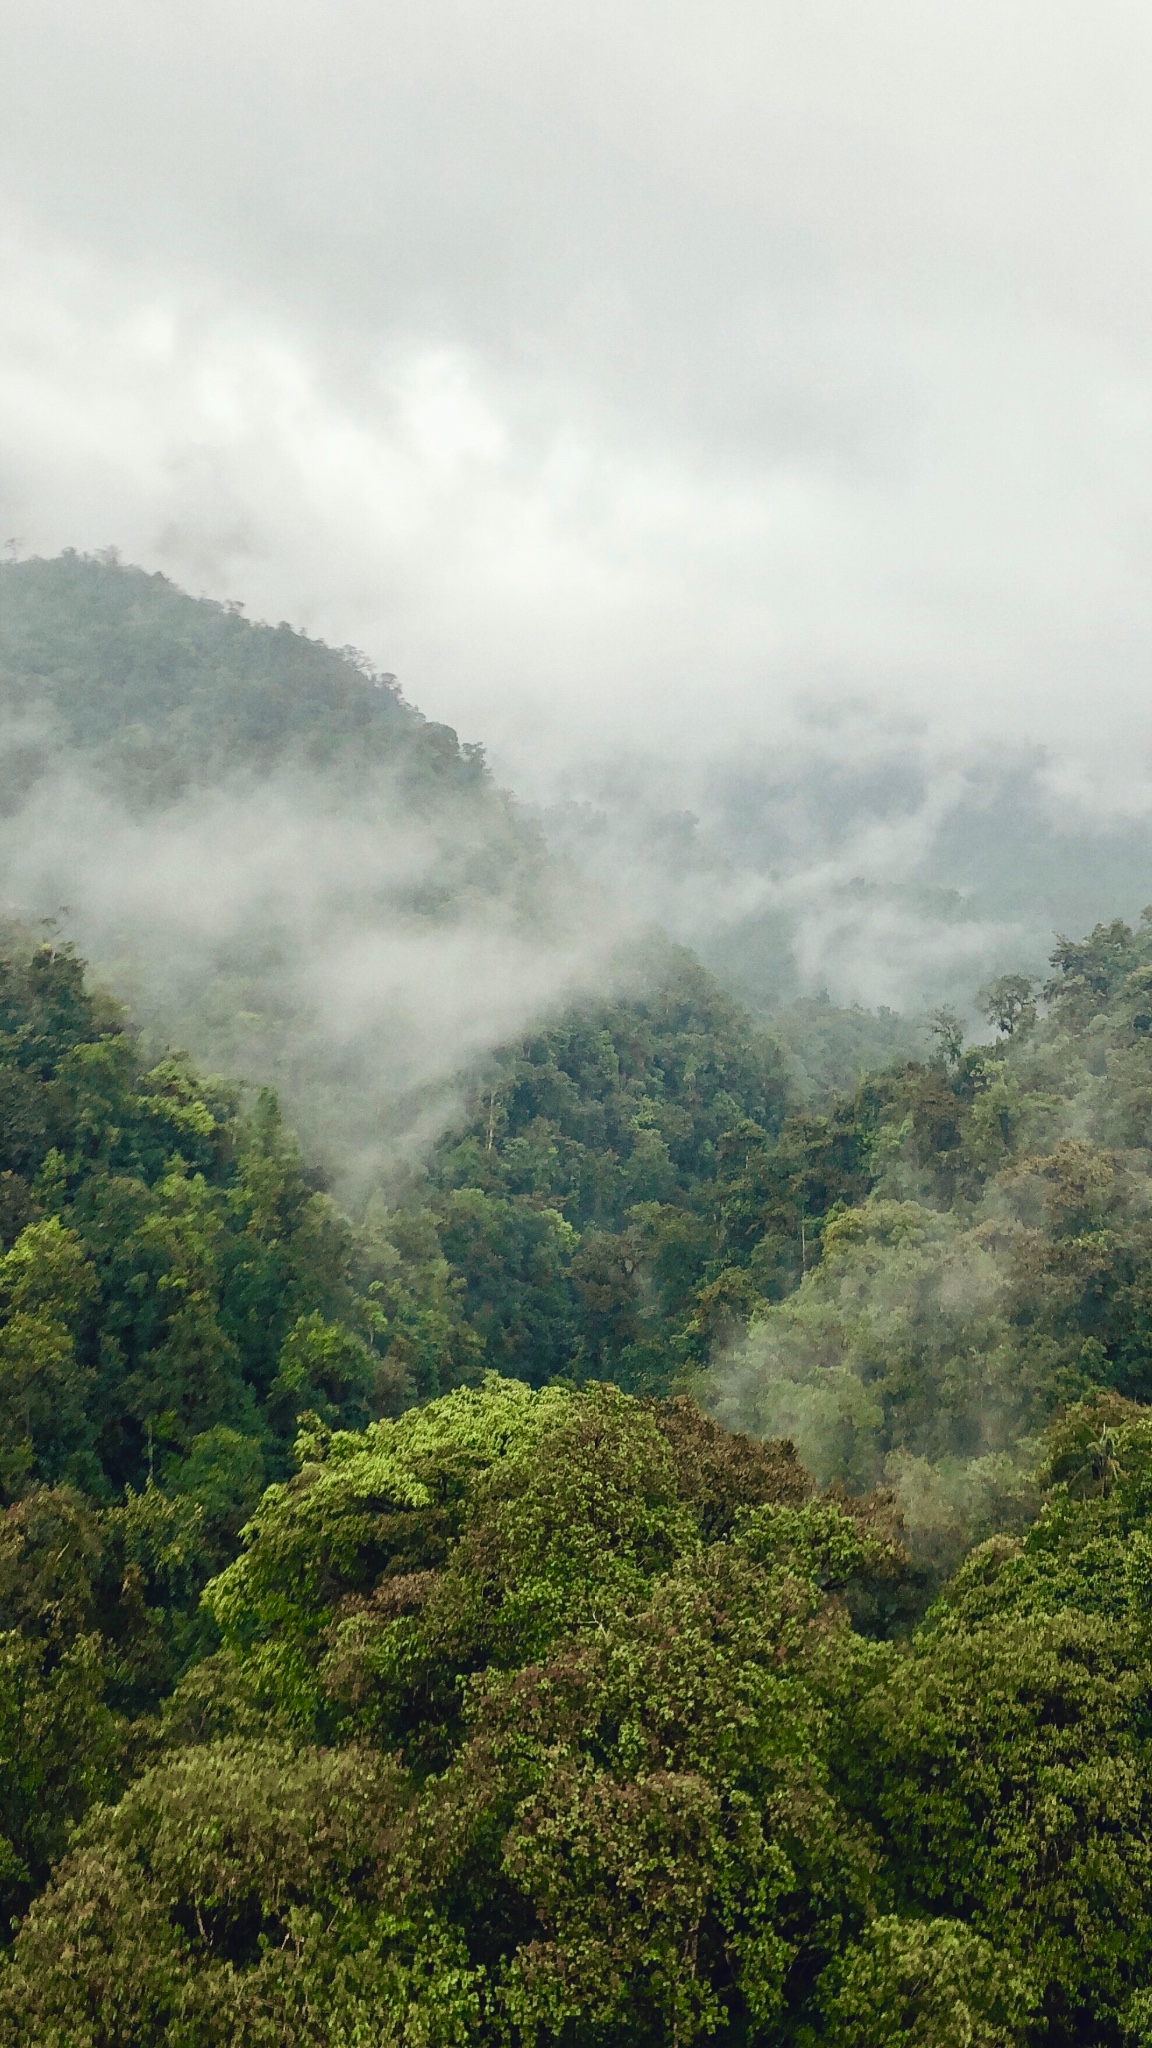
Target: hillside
x=286, y=870
x=161, y=692
x=283, y=867
x=1001, y=1264
x=542, y=1709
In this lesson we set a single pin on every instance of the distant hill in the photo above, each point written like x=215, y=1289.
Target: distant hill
x=276, y=860
x=166, y=692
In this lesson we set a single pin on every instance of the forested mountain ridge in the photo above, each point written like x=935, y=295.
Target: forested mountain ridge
x=217, y=1284
x=281, y=865
x=161, y=691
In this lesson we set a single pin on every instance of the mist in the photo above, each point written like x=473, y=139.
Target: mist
x=364, y=942
x=284, y=932
x=859, y=860
x=576, y=1021
x=639, y=387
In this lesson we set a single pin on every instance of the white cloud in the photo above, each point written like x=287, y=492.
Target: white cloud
x=644, y=379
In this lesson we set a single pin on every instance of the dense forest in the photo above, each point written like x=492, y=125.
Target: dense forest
x=547, y=1708
x=671, y=1562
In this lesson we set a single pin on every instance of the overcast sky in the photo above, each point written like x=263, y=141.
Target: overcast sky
x=654, y=375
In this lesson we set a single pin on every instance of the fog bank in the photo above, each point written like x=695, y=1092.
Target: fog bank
x=622, y=382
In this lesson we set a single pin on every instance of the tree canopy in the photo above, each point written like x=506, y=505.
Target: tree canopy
x=677, y=1568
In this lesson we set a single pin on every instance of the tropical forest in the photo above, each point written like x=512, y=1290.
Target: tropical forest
x=615, y=1519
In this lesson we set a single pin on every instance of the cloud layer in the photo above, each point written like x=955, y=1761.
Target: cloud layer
x=628, y=381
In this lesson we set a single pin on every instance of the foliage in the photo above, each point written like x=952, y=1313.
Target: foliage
x=169, y=1270
x=538, y=1748
x=303, y=814
x=538, y=1715
x=354, y=1691
x=927, y=1983
x=998, y=1266
x=629, y=1184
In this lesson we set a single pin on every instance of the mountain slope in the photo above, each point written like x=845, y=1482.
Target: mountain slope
x=278, y=862
x=165, y=691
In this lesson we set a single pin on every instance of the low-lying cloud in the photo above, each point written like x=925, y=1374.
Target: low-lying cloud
x=860, y=859
x=358, y=953
x=634, y=381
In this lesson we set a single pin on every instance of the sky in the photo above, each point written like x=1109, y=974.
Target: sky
x=672, y=381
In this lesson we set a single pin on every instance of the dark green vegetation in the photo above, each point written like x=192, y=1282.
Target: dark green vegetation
x=168, y=1269
x=908, y=1279
x=677, y=1567
x=582, y=1211
x=540, y=1716
x=544, y=1711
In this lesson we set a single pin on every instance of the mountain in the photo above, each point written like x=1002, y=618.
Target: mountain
x=285, y=869
x=158, y=692
x=282, y=865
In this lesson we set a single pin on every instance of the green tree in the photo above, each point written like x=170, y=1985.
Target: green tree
x=1009, y=1002
x=925, y=1984
x=46, y=1287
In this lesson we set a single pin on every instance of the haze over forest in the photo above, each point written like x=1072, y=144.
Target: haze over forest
x=575, y=1026
x=754, y=468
